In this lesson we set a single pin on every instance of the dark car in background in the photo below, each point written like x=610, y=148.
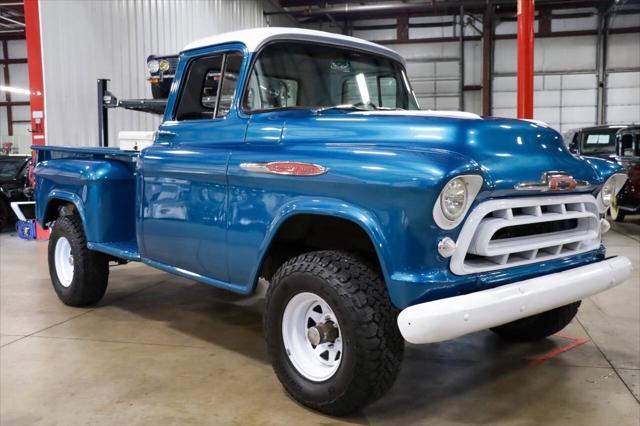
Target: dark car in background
x=14, y=184
x=596, y=141
x=618, y=143
x=627, y=150
x=161, y=69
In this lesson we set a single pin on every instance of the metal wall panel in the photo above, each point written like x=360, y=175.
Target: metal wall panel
x=564, y=101
x=19, y=76
x=433, y=69
x=623, y=97
x=86, y=40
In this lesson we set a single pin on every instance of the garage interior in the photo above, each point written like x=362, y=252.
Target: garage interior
x=161, y=349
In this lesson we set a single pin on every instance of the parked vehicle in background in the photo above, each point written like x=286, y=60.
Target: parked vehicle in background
x=162, y=70
x=302, y=157
x=627, y=201
x=14, y=184
x=596, y=141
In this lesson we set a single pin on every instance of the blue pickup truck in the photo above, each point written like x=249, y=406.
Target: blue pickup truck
x=302, y=158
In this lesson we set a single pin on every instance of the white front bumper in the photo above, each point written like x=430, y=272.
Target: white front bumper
x=452, y=317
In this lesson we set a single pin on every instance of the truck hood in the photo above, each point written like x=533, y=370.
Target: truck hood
x=508, y=151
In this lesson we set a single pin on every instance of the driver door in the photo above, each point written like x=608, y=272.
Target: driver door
x=184, y=174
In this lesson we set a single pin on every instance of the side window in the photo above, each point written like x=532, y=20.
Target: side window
x=208, y=91
x=229, y=83
x=200, y=89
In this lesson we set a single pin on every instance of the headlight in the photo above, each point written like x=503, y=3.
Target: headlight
x=608, y=191
x=453, y=199
x=164, y=65
x=153, y=66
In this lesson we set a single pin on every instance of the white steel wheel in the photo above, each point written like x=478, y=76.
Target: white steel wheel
x=311, y=337
x=616, y=214
x=64, y=261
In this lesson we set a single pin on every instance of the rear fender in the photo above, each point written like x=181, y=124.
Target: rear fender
x=59, y=195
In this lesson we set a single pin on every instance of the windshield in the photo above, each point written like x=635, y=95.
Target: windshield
x=9, y=168
x=599, y=142
x=303, y=75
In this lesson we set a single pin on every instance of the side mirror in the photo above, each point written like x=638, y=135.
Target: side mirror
x=573, y=147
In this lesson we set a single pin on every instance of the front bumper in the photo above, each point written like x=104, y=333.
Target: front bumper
x=452, y=317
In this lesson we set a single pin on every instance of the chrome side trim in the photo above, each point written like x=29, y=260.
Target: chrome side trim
x=265, y=168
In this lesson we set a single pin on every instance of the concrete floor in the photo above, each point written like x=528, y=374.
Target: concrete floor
x=164, y=350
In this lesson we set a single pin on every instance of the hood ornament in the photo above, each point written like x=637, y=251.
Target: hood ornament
x=553, y=181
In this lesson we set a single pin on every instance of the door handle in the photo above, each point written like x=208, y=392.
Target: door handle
x=166, y=133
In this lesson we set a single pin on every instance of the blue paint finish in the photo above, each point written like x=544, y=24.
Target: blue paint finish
x=103, y=191
x=197, y=277
x=185, y=205
x=410, y=289
x=127, y=250
x=258, y=247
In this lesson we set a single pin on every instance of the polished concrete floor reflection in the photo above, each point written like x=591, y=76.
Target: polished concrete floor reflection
x=164, y=350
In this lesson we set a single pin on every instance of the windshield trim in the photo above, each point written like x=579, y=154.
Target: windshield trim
x=257, y=53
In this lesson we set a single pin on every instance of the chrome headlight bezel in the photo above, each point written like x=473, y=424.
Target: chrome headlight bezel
x=610, y=189
x=472, y=185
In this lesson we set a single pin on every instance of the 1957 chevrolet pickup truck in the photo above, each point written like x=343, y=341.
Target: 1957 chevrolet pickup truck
x=301, y=157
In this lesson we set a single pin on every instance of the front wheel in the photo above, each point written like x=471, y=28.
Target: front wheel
x=331, y=332
x=79, y=275
x=538, y=326
x=616, y=214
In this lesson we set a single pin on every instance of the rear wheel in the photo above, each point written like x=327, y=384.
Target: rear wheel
x=79, y=275
x=538, y=326
x=616, y=214
x=331, y=332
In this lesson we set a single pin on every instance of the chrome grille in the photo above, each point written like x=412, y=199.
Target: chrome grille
x=518, y=231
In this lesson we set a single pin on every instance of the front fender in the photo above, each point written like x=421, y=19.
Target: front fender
x=327, y=207
x=604, y=168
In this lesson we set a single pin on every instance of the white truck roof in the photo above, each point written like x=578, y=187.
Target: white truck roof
x=254, y=38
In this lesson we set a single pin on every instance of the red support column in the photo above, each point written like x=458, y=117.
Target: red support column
x=526, y=18
x=34, y=63
x=36, y=80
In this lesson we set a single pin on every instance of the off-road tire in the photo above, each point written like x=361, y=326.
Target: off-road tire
x=373, y=345
x=538, y=326
x=91, y=268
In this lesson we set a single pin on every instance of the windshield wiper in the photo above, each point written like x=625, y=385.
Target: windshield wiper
x=346, y=107
x=357, y=107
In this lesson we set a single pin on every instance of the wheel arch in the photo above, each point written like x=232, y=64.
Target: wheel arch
x=297, y=222
x=58, y=200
